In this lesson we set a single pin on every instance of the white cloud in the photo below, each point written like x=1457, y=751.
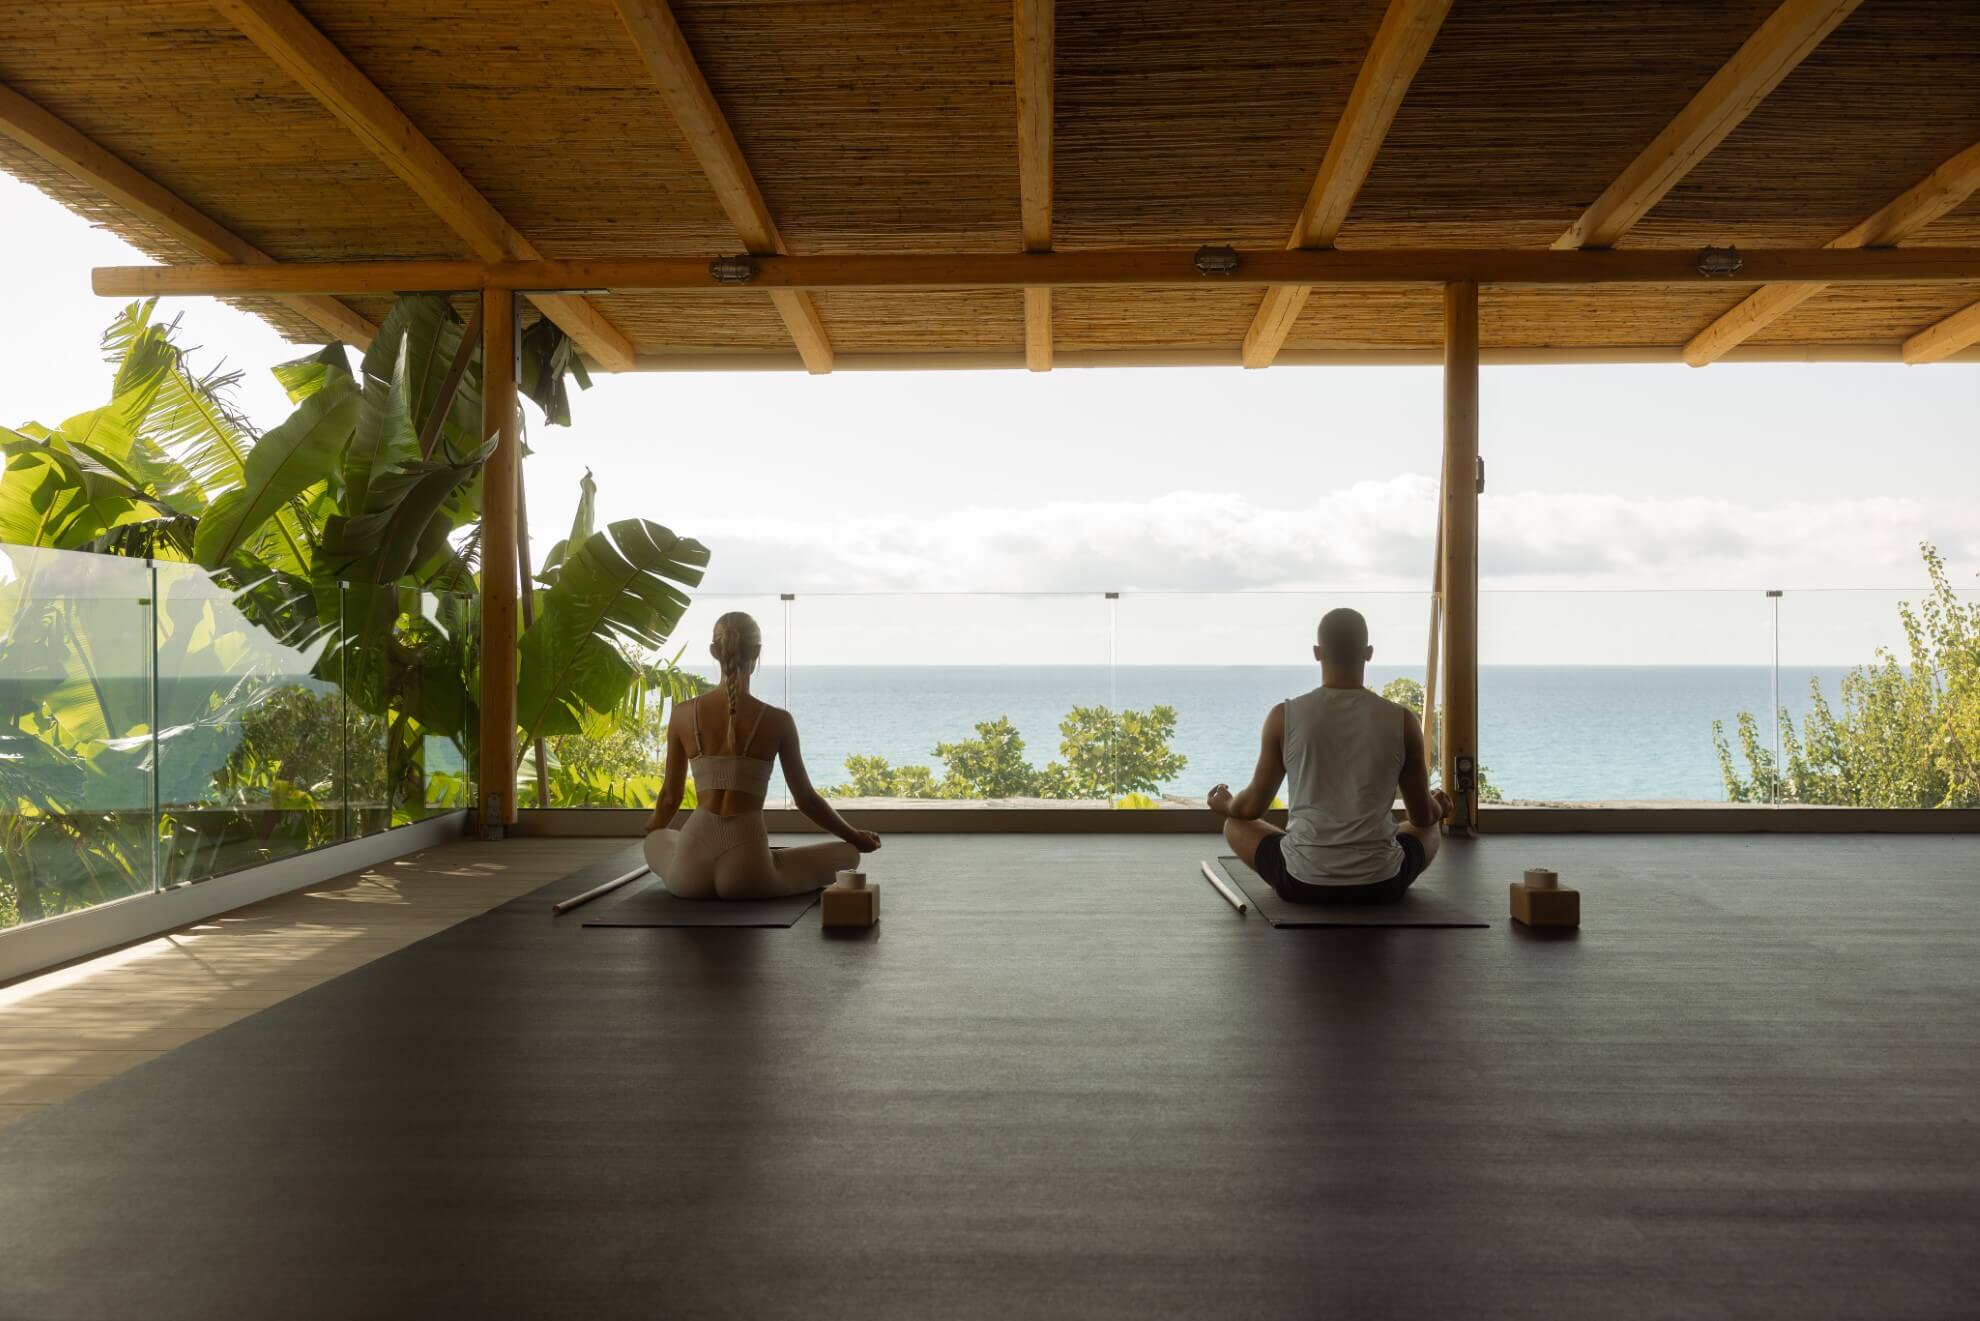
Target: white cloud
x=1372, y=535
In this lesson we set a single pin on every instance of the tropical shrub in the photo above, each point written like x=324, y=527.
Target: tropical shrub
x=1408, y=692
x=1108, y=754
x=347, y=537
x=1907, y=733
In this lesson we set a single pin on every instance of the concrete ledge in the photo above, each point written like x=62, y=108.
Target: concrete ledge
x=69, y=936
x=1493, y=820
x=1728, y=820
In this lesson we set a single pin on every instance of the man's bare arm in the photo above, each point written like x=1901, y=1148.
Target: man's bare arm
x=1415, y=781
x=1266, y=778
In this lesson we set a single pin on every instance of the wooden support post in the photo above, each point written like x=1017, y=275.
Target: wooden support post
x=1459, y=727
x=499, y=478
x=1433, y=656
x=526, y=574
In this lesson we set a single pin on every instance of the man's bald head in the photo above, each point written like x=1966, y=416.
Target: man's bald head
x=1344, y=637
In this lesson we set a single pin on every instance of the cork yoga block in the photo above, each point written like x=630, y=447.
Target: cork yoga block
x=1548, y=907
x=849, y=908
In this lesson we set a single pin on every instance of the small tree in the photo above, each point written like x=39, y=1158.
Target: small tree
x=1111, y=753
x=1108, y=754
x=874, y=777
x=991, y=765
x=1408, y=692
x=1908, y=733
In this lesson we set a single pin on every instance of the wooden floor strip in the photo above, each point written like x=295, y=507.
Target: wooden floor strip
x=67, y=1030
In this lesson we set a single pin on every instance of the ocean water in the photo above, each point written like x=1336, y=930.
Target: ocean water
x=1553, y=733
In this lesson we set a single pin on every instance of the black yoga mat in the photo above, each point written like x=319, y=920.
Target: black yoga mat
x=1417, y=908
x=646, y=903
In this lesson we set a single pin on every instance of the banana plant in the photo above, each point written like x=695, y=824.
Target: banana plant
x=344, y=535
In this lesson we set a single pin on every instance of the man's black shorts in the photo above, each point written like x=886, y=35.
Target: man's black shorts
x=1272, y=866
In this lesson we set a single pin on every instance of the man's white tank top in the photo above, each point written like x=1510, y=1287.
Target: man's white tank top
x=1344, y=758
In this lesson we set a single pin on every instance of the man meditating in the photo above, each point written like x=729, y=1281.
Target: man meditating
x=1346, y=751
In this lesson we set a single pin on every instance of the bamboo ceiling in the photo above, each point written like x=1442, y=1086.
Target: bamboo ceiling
x=891, y=126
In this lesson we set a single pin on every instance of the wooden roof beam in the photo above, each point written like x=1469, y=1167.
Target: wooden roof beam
x=305, y=54
x=1153, y=268
x=1390, y=66
x=1942, y=339
x=61, y=145
x=1734, y=92
x=1941, y=191
x=664, y=48
x=1032, y=32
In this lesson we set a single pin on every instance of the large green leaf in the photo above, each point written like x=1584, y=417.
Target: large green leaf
x=400, y=527
x=384, y=438
x=146, y=362
x=582, y=526
x=422, y=333
x=616, y=591
x=548, y=359
x=287, y=461
x=303, y=377
x=48, y=497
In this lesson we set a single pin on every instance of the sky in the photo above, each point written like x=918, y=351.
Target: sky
x=1599, y=478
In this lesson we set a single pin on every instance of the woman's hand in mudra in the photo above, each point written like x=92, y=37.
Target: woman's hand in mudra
x=865, y=841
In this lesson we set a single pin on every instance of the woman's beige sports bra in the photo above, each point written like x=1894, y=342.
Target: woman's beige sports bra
x=723, y=774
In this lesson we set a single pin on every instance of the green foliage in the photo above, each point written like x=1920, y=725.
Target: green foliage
x=991, y=765
x=317, y=536
x=292, y=737
x=1405, y=692
x=616, y=591
x=1408, y=692
x=873, y=777
x=1108, y=754
x=1908, y=731
x=618, y=758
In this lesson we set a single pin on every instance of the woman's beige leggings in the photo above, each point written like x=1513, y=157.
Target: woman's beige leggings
x=715, y=857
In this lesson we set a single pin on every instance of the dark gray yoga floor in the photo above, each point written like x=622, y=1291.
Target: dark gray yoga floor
x=1062, y=1080
x=1419, y=907
x=646, y=903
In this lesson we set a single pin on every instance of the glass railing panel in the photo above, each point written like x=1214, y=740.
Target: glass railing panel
x=76, y=784
x=1204, y=669
x=1879, y=700
x=1608, y=698
x=620, y=761
x=448, y=632
x=250, y=719
x=955, y=699
x=411, y=713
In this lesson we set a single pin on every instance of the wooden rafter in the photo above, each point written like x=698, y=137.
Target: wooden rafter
x=1142, y=267
x=1938, y=193
x=61, y=145
x=305, y=54
x=1390, y=66
x=1942, y=339
x=664, y=49
x=1769, y=55
x=1032, y=32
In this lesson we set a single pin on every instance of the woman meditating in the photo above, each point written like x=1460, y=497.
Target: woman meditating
x=731, y=742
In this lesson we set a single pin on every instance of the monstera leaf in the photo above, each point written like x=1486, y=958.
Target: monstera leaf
x=283, y=464
x=616, y=591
